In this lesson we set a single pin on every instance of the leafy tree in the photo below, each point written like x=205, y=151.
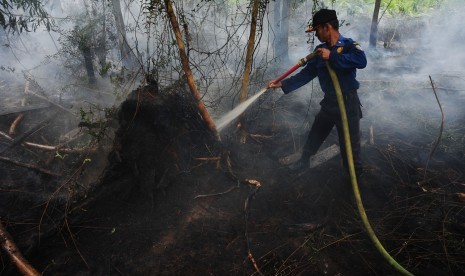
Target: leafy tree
x=27, y=15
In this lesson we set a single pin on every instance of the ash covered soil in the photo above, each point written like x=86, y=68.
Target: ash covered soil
x=160, y=195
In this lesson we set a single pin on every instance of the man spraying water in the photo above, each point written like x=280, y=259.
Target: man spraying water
x=345, y=56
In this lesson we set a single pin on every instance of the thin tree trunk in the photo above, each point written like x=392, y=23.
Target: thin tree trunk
x=249, y=59
x=284, y=32
x=86, y=52
x=276, y=26
x=281, y=29
x=127, y=56
x=374, y=25
x=185, y=65
x=101, y=49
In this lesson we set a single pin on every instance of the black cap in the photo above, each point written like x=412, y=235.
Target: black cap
x=320, y=17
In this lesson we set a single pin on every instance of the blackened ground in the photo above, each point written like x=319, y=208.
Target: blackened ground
x=303, y=224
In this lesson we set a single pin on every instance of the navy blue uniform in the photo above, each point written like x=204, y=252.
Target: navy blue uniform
x=345, y=58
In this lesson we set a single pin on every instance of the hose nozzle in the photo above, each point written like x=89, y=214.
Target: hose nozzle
x=306, y=59
x=300, y=63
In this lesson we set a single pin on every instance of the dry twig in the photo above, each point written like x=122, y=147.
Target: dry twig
x=28, y=133
x=251, y=195
x=8, y=137
x=218, y=194
x=15, y=123
x=49, y=101
x=440, y=132
x=208, y=158
x=59, y=148
x=16, y=109
x=29, y=166
x=7, y=243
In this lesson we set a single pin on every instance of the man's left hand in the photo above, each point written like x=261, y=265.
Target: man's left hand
x=323, y=53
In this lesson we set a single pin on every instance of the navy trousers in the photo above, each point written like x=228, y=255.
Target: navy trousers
x=328, y=117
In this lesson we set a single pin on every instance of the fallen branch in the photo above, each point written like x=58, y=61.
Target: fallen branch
x=440, y=131
x=254, y=263
x=49, y=101
x=8, y=137
x=251, y=195
x=29, y=166
x=71, y=135
x=57, y=148
x=10, y=110
x=229, y=164
x=28, y=133
x=218, y=194
x=208, y=158
x=12, y=130
x=258, y=136
x=15, y=255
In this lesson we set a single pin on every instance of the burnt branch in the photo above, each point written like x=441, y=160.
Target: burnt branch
x=29, y=166
x=9, y=246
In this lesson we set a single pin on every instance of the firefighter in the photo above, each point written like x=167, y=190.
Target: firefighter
x=345, y=56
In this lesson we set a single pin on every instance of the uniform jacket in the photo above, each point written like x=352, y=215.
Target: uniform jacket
x=345, y=58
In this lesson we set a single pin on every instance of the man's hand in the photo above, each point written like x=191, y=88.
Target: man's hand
x=273, y=84
x=323, y=53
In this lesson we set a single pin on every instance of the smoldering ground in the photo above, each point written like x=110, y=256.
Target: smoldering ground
x=294, y=224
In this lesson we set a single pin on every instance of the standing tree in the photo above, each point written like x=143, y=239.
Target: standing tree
x=185, y=65
x=374, y=25
x=281, y=29
x=84, y=42
x=89, y=38
x=248, y=60
x=128, y=57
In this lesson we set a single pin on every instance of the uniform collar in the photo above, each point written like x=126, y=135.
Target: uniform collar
x=340, y=42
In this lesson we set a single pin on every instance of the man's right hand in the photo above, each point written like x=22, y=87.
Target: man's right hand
x=273, y=84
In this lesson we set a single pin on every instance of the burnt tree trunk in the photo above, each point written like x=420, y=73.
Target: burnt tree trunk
x=127, y=56
x=87, y=54
x=374, y=25
x=101, y=47
x=249, y=59
x=185, y=65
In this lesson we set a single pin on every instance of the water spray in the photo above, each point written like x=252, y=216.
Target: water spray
x=238, y=110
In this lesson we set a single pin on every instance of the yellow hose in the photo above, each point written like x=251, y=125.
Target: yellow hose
x=353, y=178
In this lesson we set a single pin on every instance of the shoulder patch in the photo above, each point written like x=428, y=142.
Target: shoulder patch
x=339, y=49
x=357, y=46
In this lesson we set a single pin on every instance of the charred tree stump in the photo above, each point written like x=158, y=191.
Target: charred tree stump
x=160, y=134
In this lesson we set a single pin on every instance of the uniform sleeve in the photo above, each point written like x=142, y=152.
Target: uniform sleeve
x=308, y=73
x=353, y=58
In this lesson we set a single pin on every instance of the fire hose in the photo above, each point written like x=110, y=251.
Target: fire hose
x=350, y=160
